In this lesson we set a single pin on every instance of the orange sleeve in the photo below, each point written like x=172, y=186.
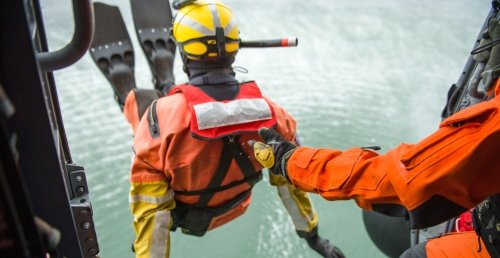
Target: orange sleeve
x=354, y=174
x=457, y=164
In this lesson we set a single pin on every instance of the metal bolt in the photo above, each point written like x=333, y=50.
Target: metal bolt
x=78, y=178
x=86, y=225
x=80, y=189
x=91, y=251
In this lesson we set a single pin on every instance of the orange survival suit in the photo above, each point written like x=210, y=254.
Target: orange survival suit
x=443, y=175
x=177, y=179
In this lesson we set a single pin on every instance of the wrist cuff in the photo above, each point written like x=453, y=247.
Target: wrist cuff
x=284, y=164
x=306, y=234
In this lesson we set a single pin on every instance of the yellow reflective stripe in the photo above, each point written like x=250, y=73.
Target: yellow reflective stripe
x=152, y=199
x=300, y=209
x=160, y=244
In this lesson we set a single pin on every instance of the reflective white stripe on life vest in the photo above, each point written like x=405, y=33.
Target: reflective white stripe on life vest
x=152, y=199
x=160, y=238
x=300, y=222
x=240, y=111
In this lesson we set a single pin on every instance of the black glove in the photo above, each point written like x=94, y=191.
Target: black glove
x=324, y=247
x=282, y=150
x=320, y=245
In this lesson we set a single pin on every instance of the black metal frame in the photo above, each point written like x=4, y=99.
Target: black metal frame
x=56, y=189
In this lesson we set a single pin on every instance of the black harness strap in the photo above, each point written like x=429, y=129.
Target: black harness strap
x=220, y=173
x=252, y=180
x=230, y=150
x=246, y=166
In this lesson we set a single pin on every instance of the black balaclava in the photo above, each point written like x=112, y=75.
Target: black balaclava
x=215, y=78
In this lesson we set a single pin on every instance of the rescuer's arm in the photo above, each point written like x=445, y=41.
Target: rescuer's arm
x=451, y=170
x=357, y=174
x=151, y=198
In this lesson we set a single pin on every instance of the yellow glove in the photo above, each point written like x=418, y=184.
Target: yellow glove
x=263, y=153
x=274, y=152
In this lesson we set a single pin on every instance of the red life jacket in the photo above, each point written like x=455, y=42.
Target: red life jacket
x=213, y=119
x=225, y=121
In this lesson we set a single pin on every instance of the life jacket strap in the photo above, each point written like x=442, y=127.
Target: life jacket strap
x=231, y=149
x=220, y=173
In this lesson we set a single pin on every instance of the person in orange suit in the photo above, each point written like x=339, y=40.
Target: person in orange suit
x=192, y=169
x=449, y=172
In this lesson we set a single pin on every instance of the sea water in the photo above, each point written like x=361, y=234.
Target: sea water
x=364, y=73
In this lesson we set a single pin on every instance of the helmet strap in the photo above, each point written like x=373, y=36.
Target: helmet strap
x=184, y=63
x=221, y=42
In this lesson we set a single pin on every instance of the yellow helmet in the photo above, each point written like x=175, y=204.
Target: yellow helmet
x=206, y=30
